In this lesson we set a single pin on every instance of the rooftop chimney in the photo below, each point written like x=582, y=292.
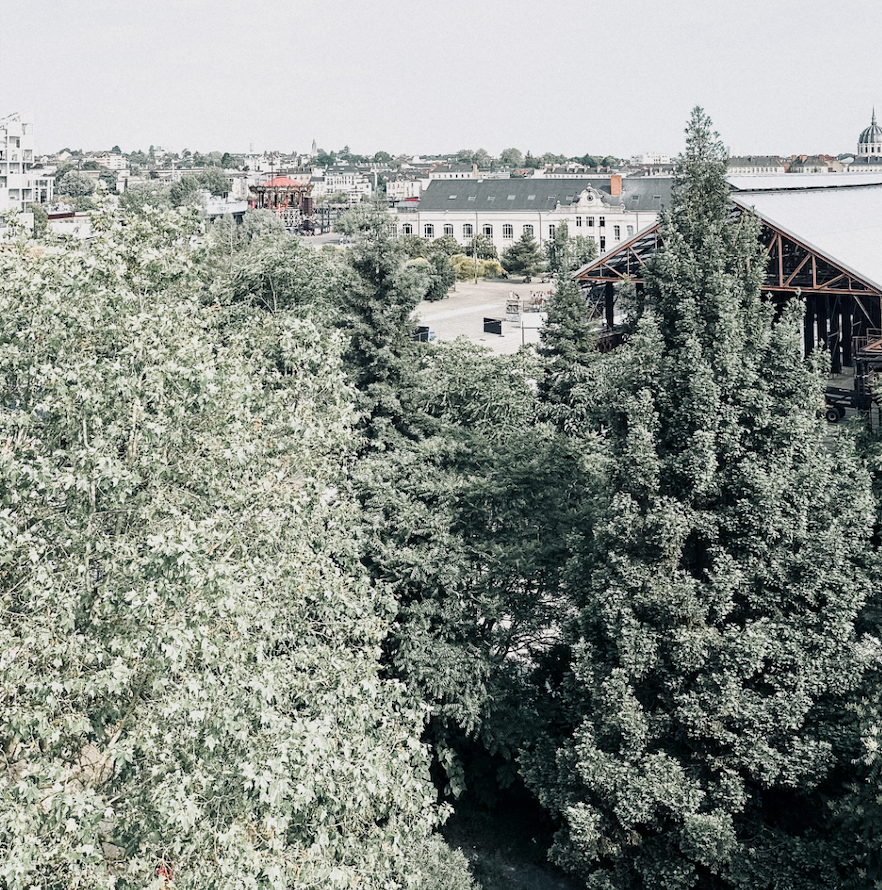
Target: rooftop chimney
x=615, y=184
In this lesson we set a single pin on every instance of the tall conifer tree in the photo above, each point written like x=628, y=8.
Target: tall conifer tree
x=717, y=597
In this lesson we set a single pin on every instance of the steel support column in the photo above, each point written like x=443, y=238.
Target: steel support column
x=609, y=305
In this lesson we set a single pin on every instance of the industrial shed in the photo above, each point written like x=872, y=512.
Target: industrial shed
x=823, y=236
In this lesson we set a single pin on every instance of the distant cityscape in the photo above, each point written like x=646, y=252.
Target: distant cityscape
x=459, y=195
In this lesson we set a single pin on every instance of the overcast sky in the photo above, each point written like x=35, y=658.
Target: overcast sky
x=568, y=76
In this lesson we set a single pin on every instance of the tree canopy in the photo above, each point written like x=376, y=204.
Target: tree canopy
x=718, y=596
x=190, y=652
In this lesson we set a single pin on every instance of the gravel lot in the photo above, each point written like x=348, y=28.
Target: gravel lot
x=462, y=313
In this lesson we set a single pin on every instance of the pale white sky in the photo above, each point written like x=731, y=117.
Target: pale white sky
x=569, y=76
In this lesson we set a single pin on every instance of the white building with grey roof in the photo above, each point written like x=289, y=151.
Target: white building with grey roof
x=608, y=210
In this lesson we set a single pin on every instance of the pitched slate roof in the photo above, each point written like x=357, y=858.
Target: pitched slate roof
x=520, y=195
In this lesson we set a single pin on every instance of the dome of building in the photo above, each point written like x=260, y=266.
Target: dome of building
x=870, y=141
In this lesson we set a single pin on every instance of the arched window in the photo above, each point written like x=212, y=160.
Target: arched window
x=428, y=231
x=487, y=230
x=467, y=231
x=508, y=231
x=407, y=229
x=448, y=230
x=528, y=230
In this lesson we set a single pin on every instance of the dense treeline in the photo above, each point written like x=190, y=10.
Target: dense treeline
x=281, y=586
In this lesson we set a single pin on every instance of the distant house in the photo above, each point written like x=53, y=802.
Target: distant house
x=109, y=160
x=404, y=185
x=454, y=171
x=749, y=165
x=814, y=164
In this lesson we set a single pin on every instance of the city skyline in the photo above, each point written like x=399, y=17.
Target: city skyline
x=571, y=78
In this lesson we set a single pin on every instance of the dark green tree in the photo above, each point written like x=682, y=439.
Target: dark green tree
x=108, y=177
x=325, y=159
x=184, y=190
x=523, y=257
x=376, y=314
x=569, y=385
x=41, y=219
x=717, y=597
x=443, y=275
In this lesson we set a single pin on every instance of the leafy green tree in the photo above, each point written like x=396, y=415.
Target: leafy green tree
x=446, y=244
x=717, y=596
x=523, y=257
x=154, y=194
x=334, y=198
x=256, y=226
x=412, y=246
x=74, y=184
x=189, y=650
x=484, y=246
x=511, y=157
x=41, y=219
x=278, y=273
x=214, y=179
x=556, y=253
x=469, y=528
x=382, y=157
x=325, y=159
x=565, y=254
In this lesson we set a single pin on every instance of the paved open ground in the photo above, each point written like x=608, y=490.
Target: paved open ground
x=462, y=313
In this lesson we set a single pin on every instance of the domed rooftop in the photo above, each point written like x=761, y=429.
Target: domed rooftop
x=871, y=139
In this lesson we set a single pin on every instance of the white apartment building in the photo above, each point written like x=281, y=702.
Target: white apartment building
x=353, y=182
x=609, y=211
x=16, y=158
x=110, y=161
x=650, y=158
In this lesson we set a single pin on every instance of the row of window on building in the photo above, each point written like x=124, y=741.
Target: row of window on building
x=468, y=230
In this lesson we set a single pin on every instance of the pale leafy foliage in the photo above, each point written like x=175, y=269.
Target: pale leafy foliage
x=189, y=659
